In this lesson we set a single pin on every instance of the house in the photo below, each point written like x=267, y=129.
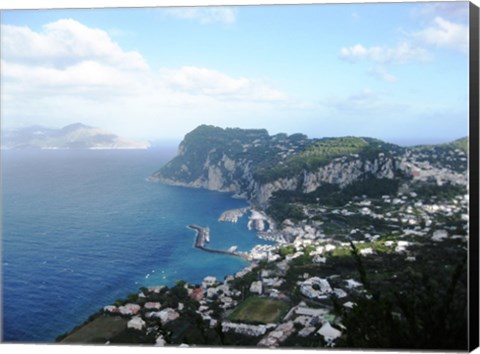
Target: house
x=366, y=251
x=316, y=288
x=136, y=323
x=329, y=333
x=311, y=312
x=197, y=294
x=165, y=316
x=256, y=287
x=353, y=283
x=111, y=309
x=245, y=329
x=160, y=341
x=152, y=306
x=208, y=281
x=129, y=309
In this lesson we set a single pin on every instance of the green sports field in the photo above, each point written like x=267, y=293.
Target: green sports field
x=259, y=309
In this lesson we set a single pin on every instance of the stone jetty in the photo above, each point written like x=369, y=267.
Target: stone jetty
x=203, y=236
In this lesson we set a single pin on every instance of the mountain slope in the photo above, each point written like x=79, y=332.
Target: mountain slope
x=257, y=165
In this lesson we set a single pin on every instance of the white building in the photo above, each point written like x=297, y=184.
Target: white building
x=329, y=333
x=136, y=323
x=316, y=288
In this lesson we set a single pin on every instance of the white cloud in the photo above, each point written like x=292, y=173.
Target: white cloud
x=353, y=53
x=381, y=73
x=63, y=43
x=204, y=15
x=415, y=46
x=444, y=34
x=402, y=53
x=84, y=78
x=213, y=83
x=67, y=54
x=363, y=100
x=69, y=72
x=453, y=11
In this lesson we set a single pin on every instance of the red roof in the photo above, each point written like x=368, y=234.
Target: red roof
x=197, y=294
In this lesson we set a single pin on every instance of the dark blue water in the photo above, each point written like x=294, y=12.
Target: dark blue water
x=83, y=228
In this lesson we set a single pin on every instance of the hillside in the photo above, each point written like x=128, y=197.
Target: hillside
x=74, y=136
x=258, y=166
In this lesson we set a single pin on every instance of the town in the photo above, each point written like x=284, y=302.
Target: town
x=296, y=289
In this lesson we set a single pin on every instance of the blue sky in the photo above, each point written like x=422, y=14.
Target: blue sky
x=398, y=72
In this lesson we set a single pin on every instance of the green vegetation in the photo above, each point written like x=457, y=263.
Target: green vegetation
x=315, y=155
x=243, y=284
x=286, y=250
x=428, y=311
x=190, y=330
x=287, y=204
x=445, y=191
x=280, y=211
x=259, y=310
x=209, y=142
x=99, y=330
x=461, y=144
x=332, y=195
x=322, y=151
x=271, y=157
x=451, y=155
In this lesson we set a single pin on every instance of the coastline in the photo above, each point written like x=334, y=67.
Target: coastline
x=266, y=283
x=202, y=236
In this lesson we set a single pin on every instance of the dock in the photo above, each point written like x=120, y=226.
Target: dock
x=203, y=236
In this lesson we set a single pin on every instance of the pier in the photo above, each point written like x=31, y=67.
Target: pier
x=203, y=236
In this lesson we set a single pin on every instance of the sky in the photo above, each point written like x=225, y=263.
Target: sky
x=393, y=71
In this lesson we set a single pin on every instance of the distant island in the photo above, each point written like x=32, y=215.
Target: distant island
x=370, y=248
x=73, y=136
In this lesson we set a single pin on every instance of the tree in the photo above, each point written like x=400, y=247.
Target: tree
x=427, y=314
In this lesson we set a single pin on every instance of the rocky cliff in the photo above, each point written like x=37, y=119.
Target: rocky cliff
x=256, y=165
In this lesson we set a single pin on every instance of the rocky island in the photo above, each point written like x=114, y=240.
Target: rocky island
x=73, y=136
x=370, y=248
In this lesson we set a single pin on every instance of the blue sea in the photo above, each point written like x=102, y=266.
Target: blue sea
x=81, y=229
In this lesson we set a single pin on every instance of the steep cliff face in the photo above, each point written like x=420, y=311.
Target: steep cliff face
x=340, y=172
x=214, y=159
x=257, y=165
x=224, y=175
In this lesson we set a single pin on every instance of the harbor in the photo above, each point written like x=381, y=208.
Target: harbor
x=203, y=237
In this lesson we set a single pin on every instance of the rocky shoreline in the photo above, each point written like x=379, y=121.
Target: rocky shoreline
x=232, y=215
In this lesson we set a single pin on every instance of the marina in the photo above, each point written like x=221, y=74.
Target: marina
x=203, y=237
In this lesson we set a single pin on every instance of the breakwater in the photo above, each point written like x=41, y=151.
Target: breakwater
x=203, y=237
